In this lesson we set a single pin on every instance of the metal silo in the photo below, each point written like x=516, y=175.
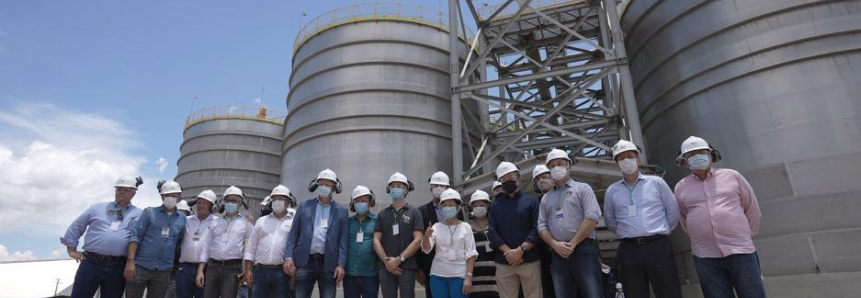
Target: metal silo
x=231, y=145
x=775, y=86
x=369, y=95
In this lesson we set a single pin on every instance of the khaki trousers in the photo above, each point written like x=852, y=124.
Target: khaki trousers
x=509, y=280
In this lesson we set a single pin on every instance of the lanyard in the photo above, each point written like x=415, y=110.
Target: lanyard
x=451, y=233
x=631, y=191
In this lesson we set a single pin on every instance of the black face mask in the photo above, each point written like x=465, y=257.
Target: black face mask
x=509, y=186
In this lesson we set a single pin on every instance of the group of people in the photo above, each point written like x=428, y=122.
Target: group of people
x=508, y=245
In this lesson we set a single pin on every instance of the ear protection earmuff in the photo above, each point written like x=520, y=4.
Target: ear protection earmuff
x=312, y=187
x=410, y=187
x=716, y=157
x=371, y=204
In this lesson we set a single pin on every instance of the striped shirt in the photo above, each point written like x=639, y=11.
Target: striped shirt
x=484, y=273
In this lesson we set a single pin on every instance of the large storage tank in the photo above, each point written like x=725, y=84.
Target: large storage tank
x=370, y=95
x=231, y=145
x=775, y=86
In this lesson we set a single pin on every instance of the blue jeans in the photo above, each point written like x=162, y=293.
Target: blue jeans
x=315, y=272
x=719, y=276
x=446, y=287
x=185, y=286
x=580, y=270
x=93, y=274
x=361, y=286
x=270, y=282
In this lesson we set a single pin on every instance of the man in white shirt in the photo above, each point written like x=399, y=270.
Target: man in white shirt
x=223, y=248
x=265, y=252
x=196, y=226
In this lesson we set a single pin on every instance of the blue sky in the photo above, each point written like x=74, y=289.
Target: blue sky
x=90, y=90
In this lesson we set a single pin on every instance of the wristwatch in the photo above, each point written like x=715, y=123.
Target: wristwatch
x=523, y=249
x=401, y=258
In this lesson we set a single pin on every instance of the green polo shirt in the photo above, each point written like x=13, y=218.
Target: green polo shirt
x=361, y=259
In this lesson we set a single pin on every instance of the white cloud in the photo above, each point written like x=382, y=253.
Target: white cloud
x=59, y=254
x=70, y=161
x=5, y=256
x=162, y=165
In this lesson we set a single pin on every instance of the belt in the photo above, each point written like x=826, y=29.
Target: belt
x=226, y=262
x=278, y=266
x=104, y=258
x=644, y=240
x=187, y=264
x=316, y=256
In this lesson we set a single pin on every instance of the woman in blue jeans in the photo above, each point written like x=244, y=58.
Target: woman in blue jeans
x=451, y=272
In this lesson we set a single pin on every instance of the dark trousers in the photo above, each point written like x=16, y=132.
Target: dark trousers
x=93, y=274
x=185, y=286
x=648, y=263
x=153, y=282
x=719, y=276
x=221, y=280
x=362, y=286
x=315, y=272
x=405, y=284
x=271, y=282
x=580, y=270
x=546, y=275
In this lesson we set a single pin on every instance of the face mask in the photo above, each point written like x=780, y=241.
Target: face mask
x=558, y=173
x=170, y=202
x=545, y=184
x=230, y=207
x=278, y=206
x=324, y=191
x=361, y=208
x=699, y=162
x=448, y=212
x=509, y=186
x=396, y=193
x=628, y=166
x=479, y=211
x=437, y=191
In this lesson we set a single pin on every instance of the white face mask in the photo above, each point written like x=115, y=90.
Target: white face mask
x=479, y=211
x=699, y=162
x=628, y=165
x=558, y=173
x=278, y=206
x=170, y=202
x=437, y=191
x=545, y=184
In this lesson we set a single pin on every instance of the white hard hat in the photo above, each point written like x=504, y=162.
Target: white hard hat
x=693, y=143
x=505, y=168
x=232, y=190
x=281, y=190
x=538, y=170
x=479, y=195
x=622, y=146
x=183, y=205
x=398, y=177
x=208, y=195
x=266, y=200
x=439, y=178
x=495, y=185
x=170, y=187
x=328, y=175
x=126, y=181
x=556, y=154
x=450, y=194
x=361, y=191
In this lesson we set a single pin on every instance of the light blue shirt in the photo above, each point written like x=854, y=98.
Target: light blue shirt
x=157, y=235
x=318, y=243
x=97, y=222
x=657, y=211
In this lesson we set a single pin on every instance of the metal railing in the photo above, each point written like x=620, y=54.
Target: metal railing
x=373, y=11
x=485, y=8
x=250, y=112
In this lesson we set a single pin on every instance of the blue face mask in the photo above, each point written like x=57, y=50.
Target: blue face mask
x=361, y=208
x=448, y=212
x=324, y=191
x=231, y=207
x=396, y=193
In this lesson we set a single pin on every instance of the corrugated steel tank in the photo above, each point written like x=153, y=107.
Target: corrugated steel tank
x=369, y=95
x=775, y=86
x=231, y=145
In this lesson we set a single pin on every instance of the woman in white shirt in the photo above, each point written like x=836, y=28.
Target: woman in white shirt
x=451, y=272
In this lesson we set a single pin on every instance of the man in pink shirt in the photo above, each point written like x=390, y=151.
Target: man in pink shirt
x=720, y=213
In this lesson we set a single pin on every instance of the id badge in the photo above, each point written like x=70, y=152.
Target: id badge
x=395, y=230
x=324, y=223
x=451, y=255
x=115, y=225
x=165, y=231
x=632, y=210
x=196, y=236
x=360, y=237
x=487, y=247
x=559, y=213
